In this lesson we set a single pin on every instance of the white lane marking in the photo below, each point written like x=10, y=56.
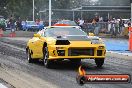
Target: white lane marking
x=18, y=38
x=126, y=54
x=2, y=86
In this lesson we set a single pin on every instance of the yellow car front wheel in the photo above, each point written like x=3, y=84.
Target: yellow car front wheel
x=99, y=62
x=76, y=61
x=46, y=61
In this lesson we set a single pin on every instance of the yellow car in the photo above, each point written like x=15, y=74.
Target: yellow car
x=60, y=43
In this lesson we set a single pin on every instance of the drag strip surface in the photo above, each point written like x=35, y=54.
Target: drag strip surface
x=13, y=57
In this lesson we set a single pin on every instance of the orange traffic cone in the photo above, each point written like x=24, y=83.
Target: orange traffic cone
x=1, y=32
x=12, y=34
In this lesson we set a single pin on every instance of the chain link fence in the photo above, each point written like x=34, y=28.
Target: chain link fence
x=103, y=27
x=89, y=27
x=106, y=28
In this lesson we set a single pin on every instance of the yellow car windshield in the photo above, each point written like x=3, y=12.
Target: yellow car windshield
x=67, y=33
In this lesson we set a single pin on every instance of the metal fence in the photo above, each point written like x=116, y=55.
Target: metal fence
x=106, y=28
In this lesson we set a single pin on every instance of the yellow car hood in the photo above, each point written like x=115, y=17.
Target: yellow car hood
x=52, y=41
x=80, y=43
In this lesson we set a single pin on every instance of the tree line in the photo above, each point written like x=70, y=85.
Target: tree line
x=23, y=8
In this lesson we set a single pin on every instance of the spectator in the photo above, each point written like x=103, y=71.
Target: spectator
x=113, y=22
x=18, y=24
x=96, y=18
x=121, y=25
x=93, y=25
x=12, y=23
x=37, y=21
x=81, y=22
x=129, y=24
x=109, y=26
x=116, y=27
x=100, y=19
x=96, y=27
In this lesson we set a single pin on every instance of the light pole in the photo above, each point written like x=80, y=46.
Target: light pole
x=79, y=8
x=40, y=16
x=33, y=10
x=73, y=17
x=49, y=12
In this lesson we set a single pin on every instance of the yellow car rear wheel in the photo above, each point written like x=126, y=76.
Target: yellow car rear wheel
x=30, y=60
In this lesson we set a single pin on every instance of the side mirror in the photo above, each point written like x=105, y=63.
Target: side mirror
x=37, y=35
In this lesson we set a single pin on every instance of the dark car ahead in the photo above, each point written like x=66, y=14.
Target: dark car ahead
x=32, y=26
x=65, y=23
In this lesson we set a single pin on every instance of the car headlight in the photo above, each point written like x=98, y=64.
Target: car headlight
x=96, y=41
x=59, y=48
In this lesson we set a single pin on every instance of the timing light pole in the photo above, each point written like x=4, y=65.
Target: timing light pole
x=33, y=10
x=49, y=12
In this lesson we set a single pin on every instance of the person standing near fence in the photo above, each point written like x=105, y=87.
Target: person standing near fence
x=121, y=26
x=109, y=26
x=81, y=22
x=116, y=27
x=113, y=22
x=12, y=24
x=93, y=25
x=96, y=27
x=96, y=31
x=100, y=19
x=18, y=24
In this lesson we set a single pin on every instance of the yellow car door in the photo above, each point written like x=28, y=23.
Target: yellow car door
x=37, y=47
